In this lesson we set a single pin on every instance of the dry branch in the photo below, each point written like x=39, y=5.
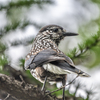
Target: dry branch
x=20, y=90
x=23, y=91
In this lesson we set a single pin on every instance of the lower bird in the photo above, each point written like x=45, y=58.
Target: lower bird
x=46, y=62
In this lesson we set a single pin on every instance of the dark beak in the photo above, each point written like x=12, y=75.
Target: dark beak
x=69, y=34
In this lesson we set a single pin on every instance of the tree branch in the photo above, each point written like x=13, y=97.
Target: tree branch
x=20, y=91
x=23, y=3
x=77, y=52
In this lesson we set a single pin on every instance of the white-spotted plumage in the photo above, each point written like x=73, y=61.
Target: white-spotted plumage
x=46, y=42
x=48, y=38
x=36, y=75
x=41, y=43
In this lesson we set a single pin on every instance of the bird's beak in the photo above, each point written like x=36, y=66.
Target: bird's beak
x=69, y=34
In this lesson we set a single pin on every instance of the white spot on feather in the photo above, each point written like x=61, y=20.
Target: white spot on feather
x=28, y=56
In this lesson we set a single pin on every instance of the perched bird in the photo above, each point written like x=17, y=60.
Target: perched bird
x=46, y=62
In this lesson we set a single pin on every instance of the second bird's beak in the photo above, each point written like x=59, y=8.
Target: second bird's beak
x=69, y=34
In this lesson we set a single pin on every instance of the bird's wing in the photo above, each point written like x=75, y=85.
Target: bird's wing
x=57, y=59
x=45, y=56
x=28, y=61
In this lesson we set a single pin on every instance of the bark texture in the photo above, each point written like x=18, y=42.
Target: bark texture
x=21, y=90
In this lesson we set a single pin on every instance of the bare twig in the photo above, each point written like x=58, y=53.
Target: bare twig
x=63, y=86
x=21, y=78
x=7, y=97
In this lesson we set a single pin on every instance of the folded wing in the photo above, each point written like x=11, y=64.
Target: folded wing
x=58, y=60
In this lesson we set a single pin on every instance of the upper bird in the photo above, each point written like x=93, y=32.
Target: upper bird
x=46, y=62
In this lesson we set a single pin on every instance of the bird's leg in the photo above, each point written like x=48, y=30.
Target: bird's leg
x=42, y=89
x=64, y=86
x=64, y=83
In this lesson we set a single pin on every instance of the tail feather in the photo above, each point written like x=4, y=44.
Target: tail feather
x=78, y=71
x=83, y=74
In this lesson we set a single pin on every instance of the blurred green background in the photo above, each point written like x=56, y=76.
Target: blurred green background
x=20, y=21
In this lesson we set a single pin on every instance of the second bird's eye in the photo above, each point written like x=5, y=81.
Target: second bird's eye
x=55, y=30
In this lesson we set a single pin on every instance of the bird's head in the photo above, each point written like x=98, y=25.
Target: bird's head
x=55, y=33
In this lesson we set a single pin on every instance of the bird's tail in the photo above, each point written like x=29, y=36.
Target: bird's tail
x=80, y=72
x=83, y=74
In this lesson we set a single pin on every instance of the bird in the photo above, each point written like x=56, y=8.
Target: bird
x=46, y=62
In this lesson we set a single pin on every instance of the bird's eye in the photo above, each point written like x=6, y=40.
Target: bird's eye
x=55, y=30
